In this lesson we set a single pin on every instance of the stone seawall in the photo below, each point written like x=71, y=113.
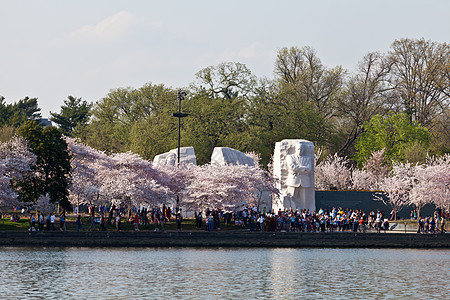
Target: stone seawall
x=223, y=239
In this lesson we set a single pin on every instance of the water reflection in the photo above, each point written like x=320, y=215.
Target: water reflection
x=80, y=273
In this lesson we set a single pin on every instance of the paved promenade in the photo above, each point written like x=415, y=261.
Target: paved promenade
x=222, y=239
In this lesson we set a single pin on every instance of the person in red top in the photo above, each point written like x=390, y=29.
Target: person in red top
x=136, y=222
x=102, y=223
x=362, y=225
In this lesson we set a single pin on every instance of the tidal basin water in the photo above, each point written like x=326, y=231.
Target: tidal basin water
x=168, y=273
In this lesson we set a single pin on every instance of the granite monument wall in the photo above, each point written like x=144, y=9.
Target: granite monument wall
x=363, y=200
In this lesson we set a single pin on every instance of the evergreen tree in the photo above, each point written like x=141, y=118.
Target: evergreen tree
x=74, y=112
x=51, y=174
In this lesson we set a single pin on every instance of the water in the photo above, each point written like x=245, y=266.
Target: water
x=86, y=273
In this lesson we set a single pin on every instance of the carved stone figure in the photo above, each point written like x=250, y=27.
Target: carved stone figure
x=187, y=156
x=227, y=156
x=294, y=167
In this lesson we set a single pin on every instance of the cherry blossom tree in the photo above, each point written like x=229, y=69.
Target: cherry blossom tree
x=17, y=157
x=16, y=160
x=417, y=184
x=439, y=170
x=44, y=204
x=8, y=197
x=176, y=179
x=433, y=183
x=363, y=181
x=333, y=173
x=397, y=186
x=123, y=178
x=212, y=186
x=86, y=163
x=136, y=180
x=372, y=174
x=228, y=186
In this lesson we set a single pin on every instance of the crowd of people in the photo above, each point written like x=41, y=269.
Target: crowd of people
x=296, y=221
x=336, y=219
x=158, y=216
x=46, y=223
x=288, y=220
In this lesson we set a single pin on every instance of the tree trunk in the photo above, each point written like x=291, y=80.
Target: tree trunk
x=129, y=210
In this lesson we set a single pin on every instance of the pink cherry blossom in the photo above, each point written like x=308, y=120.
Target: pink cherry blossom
x=16, y=160
x=333, y=172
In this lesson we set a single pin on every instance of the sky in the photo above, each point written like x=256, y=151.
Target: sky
x=52, y=49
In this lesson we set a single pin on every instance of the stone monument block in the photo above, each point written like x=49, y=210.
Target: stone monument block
x=293, y=165
x=227, y=156
x=187, y=156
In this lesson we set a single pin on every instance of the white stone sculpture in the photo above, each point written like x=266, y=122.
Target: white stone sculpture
x=294, y=167
x=227, y=156
x=187, y=156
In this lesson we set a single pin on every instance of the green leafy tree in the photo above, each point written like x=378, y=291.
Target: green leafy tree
x=3, y=111
x=155, y=130
x=113, y=117
x=213, y=123
x=393, y=132
x=17, y=113
x=139, y=120
x=7, y=133
x=51, y=173
x=217, y=109
x=75, y=112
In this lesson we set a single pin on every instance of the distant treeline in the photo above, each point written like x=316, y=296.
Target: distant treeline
x=397, y=101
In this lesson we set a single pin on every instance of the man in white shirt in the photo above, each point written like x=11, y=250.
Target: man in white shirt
x=52, y=221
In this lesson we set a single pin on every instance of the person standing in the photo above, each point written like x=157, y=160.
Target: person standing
x=62, y=222
x=419, y=225
x=79, y=224
x=432, y=225
x=136, y=222
x=179, y=219
x=102, y=223
x=210, y=223
x=118, y=222
x=32, y=223
x=52, y=221
x=442, y=224
x=378, y=224
x=200, y=219
x=261, y=222
x=40, y=222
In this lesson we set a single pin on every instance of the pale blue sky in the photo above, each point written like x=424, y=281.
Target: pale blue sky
x=55, y=48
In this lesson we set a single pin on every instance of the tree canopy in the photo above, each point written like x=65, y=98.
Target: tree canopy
x=51, y=173
x=394, y=133
x=75, y=112
x=228, y=106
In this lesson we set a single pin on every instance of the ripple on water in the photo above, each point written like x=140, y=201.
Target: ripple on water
x=80, y=273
